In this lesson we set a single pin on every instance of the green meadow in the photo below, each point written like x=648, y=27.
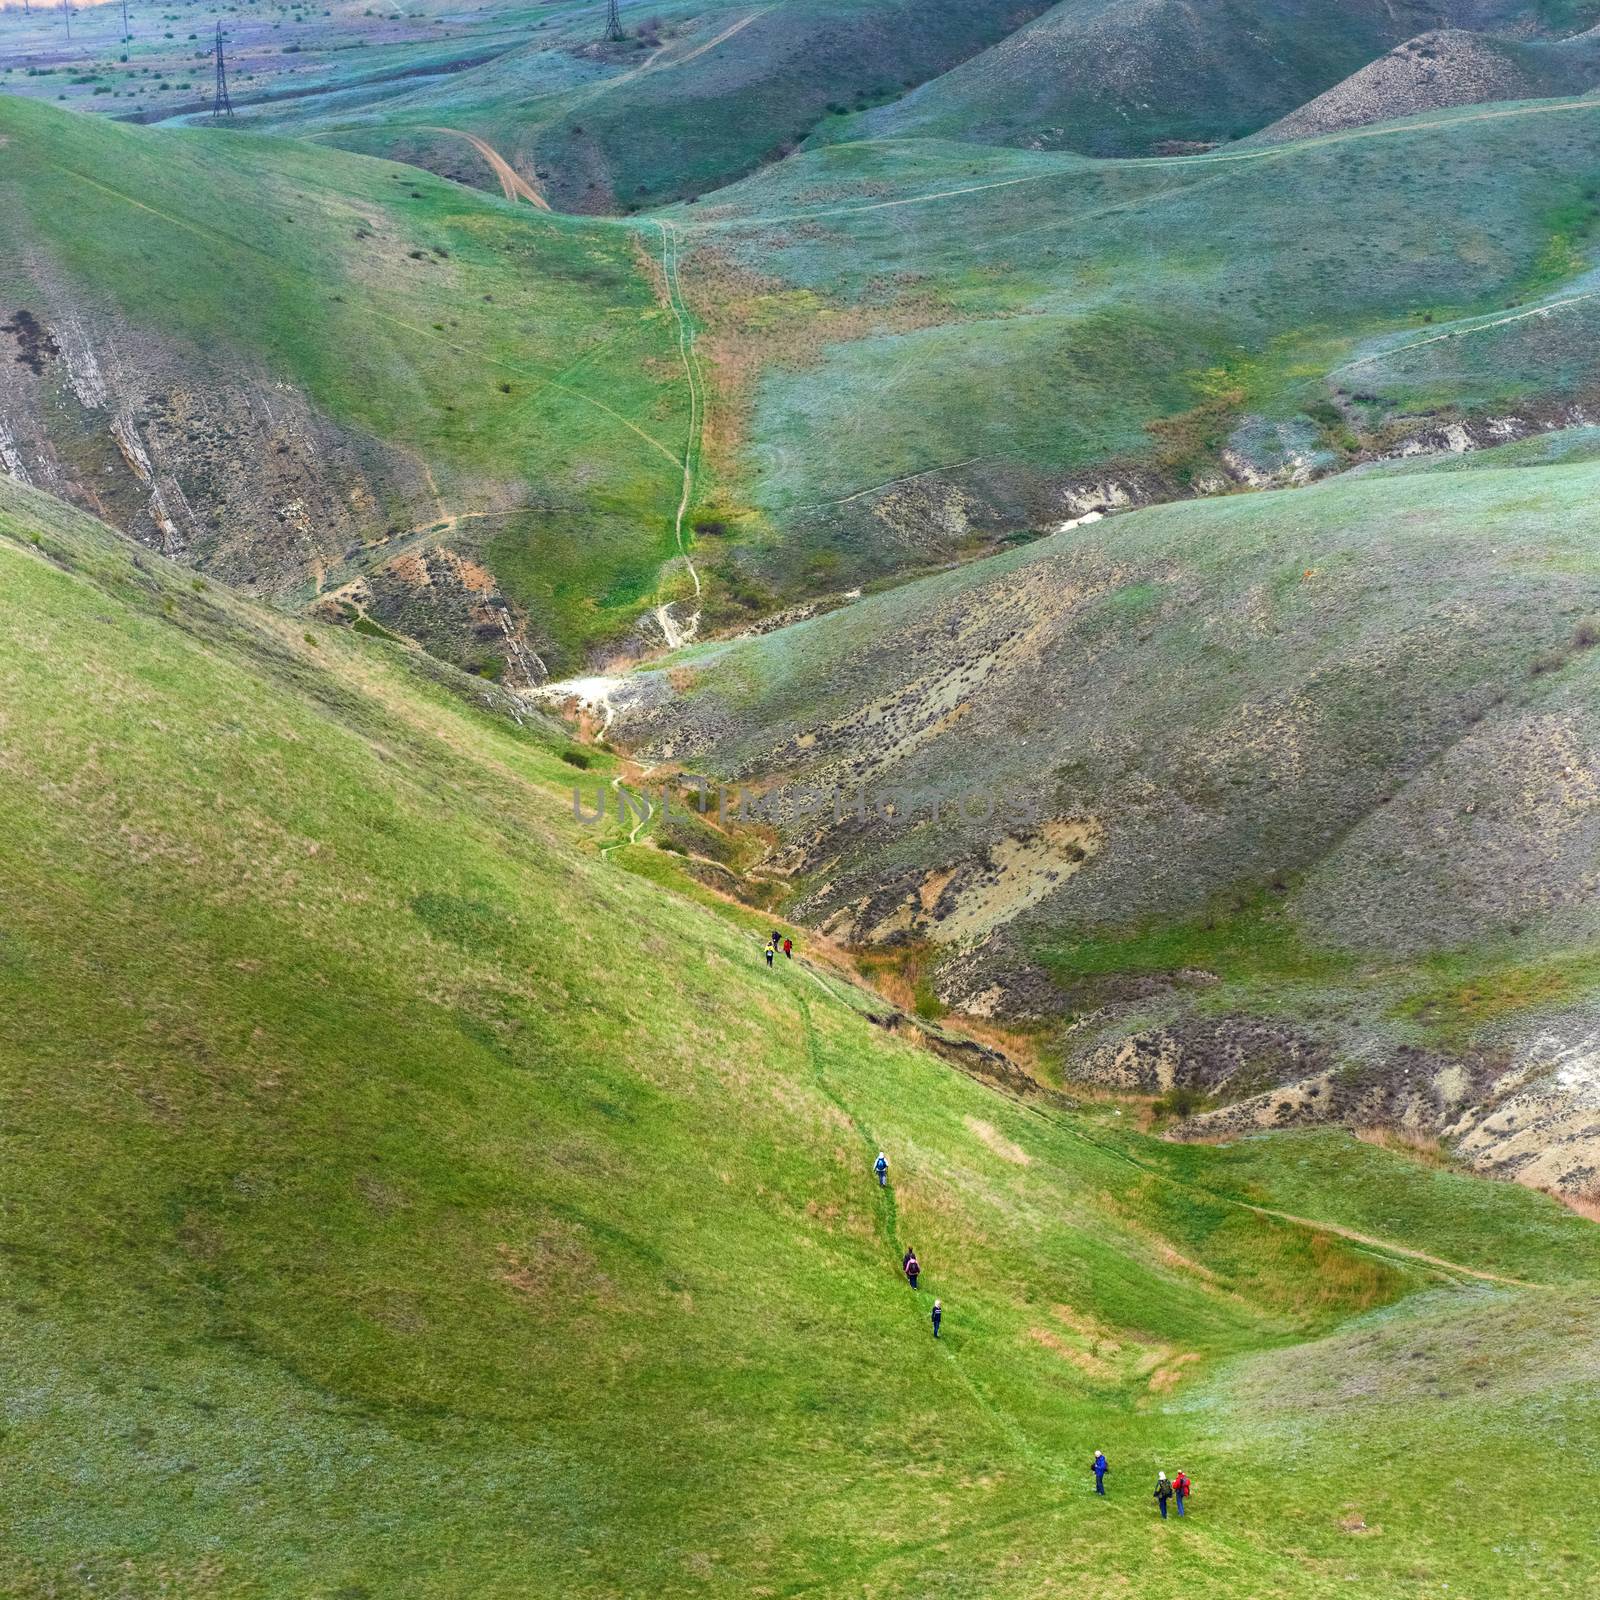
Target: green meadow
x=525, y=360
x=428, y=1204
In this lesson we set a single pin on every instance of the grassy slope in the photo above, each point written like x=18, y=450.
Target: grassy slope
x=1319, y=689
x=1439, y=69
x=425, y=1206
x=662, y=116
x=1110, y=78
x=274, y=48
x=1137, y=317
x=503, y=348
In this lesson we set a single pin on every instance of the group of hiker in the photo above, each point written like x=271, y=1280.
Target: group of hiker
x=1177, y=1487
x=908, y=1257
x=773, y=946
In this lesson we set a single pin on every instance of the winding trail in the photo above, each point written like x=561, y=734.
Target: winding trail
x=639, y=826
x=1462, y=333
x=512, y=184
x=677, y=634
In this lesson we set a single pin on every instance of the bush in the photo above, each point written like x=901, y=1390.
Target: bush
x=1179, y=1102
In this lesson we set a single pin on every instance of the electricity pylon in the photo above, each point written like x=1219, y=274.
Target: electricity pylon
x=221, y=106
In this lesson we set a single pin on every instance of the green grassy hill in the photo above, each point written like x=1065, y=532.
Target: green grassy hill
x=1295, y=786
x=921, y=347
x=275, y=50
x=308, y=371
x=429, y=1204
x=1110, y=78
x=1449, y=67
x=349, y=384
x=697, y=95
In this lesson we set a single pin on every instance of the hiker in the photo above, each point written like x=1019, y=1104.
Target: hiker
x=938, y=1317
x=1100, y=1466
x=881, y=1167
x=1180, y=1488
x=913, y=1270
x=768, y=953
x=773, y=941
x=1163, y=1493
x=788, y=948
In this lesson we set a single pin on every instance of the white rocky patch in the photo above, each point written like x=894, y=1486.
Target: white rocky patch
x=11, y=456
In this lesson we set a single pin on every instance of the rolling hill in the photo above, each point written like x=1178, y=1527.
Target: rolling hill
x=1287, y=800
x=920, y=348
x=432, y=1202
x=344, y=382
x=1113, y=78
x=1450, y=67
x=349, y=385
x=694, y=96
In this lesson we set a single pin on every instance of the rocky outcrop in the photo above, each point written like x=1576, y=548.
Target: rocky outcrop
x=1529, y=1112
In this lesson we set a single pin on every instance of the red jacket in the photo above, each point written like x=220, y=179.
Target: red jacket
x=1182, y=1485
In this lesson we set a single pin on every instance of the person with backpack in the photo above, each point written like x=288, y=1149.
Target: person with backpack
x=1163, y=1493
x=881, y=1167
x=1100, y=1467
x=1180, y=1488
x=770, y=951
x=913, y=1270
x=938, y=1317
x=788, y=948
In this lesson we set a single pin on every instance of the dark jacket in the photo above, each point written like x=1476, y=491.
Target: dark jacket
x=1163, y=1491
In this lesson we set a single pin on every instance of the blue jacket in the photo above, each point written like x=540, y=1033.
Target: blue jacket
x=1101, y=1465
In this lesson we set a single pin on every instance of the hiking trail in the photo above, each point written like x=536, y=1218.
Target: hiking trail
x=676, y=633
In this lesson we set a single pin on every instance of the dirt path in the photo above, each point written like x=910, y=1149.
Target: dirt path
x=512, y=184
x=676, y=633
x=1463, y=333
x=711, y=44
x=639, y=798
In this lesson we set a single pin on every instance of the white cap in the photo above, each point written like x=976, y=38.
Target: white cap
x=1161, y=1474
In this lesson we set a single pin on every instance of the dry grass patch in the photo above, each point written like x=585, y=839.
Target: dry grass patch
x=1423, y=1147
x=997, y=1141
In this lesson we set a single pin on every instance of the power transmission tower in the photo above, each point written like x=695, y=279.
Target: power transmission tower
x=614, y=31
x=126, y=36
x=222, y=106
